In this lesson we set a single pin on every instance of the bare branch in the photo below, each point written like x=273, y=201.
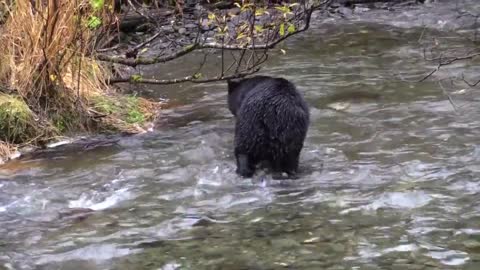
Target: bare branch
x=469, y=83
x=147, y=61
x=192, y=79
x=448, y=96
x=449, y=61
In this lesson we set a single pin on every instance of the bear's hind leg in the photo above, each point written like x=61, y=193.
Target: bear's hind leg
x=290, y=164
x=245, y=166
x=278, y=168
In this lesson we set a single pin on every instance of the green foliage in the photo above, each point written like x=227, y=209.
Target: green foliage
x=60, y=124
x=126, y=108
x=104, y=105
x=256, y=24
x=136, y=78
x=97, y=5
x=291, y=28
x=94, y=22
x=134, y=115
x=282, y=29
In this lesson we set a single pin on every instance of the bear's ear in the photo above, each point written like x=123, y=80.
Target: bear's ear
x=232, y=84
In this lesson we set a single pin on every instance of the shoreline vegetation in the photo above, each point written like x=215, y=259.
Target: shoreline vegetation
x=51, y=88
x=62, y=60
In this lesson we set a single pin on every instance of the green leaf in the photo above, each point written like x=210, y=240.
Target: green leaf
x=260, y=11
x=259, y=28
x=282, y=29
x=240, y=36
x=283, y=9
x=97, y=4
x=291, y=28
x=211, y=16
x=94, y=22
x=197, y=75
x=136, y=78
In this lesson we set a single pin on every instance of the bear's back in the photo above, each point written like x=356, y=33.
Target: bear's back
x=273, y=113
x=269, y=94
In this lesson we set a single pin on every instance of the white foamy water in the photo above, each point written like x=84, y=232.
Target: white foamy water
x=96, y=202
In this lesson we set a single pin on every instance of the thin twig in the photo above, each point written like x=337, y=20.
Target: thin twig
x=448, y=96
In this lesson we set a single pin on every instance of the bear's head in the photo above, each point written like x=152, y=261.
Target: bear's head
x=233, y=84
x=239, y=88
x=234, y=95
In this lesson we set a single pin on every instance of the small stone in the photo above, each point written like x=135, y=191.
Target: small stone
x=471, y=244
x=190, y=25
x=338, y=248
x=404, y=266
x=311, y=240
x=234, y=11
x=475, y=257
x=168, y=28
x=285, y=244
x=182, y=30
x=402, y=261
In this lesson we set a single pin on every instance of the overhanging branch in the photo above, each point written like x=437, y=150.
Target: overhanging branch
x=146, y=61
x=192, y=79
x=133, y=62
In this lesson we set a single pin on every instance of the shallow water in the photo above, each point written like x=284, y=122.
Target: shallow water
x=390, y=183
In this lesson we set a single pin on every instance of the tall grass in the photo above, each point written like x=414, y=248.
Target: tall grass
x=44, y=61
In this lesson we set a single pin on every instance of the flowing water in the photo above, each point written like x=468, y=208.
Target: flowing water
x=387, y=183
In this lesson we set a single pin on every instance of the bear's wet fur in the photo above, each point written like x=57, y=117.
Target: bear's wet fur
x=272, y=120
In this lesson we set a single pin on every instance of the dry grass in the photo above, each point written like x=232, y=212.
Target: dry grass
x=46, y=44
x=46, y=66
x=6, y=150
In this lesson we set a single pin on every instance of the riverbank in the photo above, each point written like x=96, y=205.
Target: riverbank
x=51, y=87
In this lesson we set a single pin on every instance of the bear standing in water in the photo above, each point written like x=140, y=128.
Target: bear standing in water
x=272, y=120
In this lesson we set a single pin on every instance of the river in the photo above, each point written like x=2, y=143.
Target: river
x=386, y=183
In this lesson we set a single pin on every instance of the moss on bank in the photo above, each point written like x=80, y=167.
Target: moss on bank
x=124, y=113
x=17, y=122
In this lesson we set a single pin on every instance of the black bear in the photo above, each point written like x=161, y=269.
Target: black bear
x=272, y=120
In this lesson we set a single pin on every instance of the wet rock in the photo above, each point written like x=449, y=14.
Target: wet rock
x=311, y=240
x=403, y=266
x=182, y=30
x=285, y=244
x=190, y=25
x=402, y=261
x=471, y=244
x=152, y=244
x=234, y=11
x=475, y=257
x=217, y=252
x=338, y=248
x=336, y=267
x=168, y=29
x=76, y=214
